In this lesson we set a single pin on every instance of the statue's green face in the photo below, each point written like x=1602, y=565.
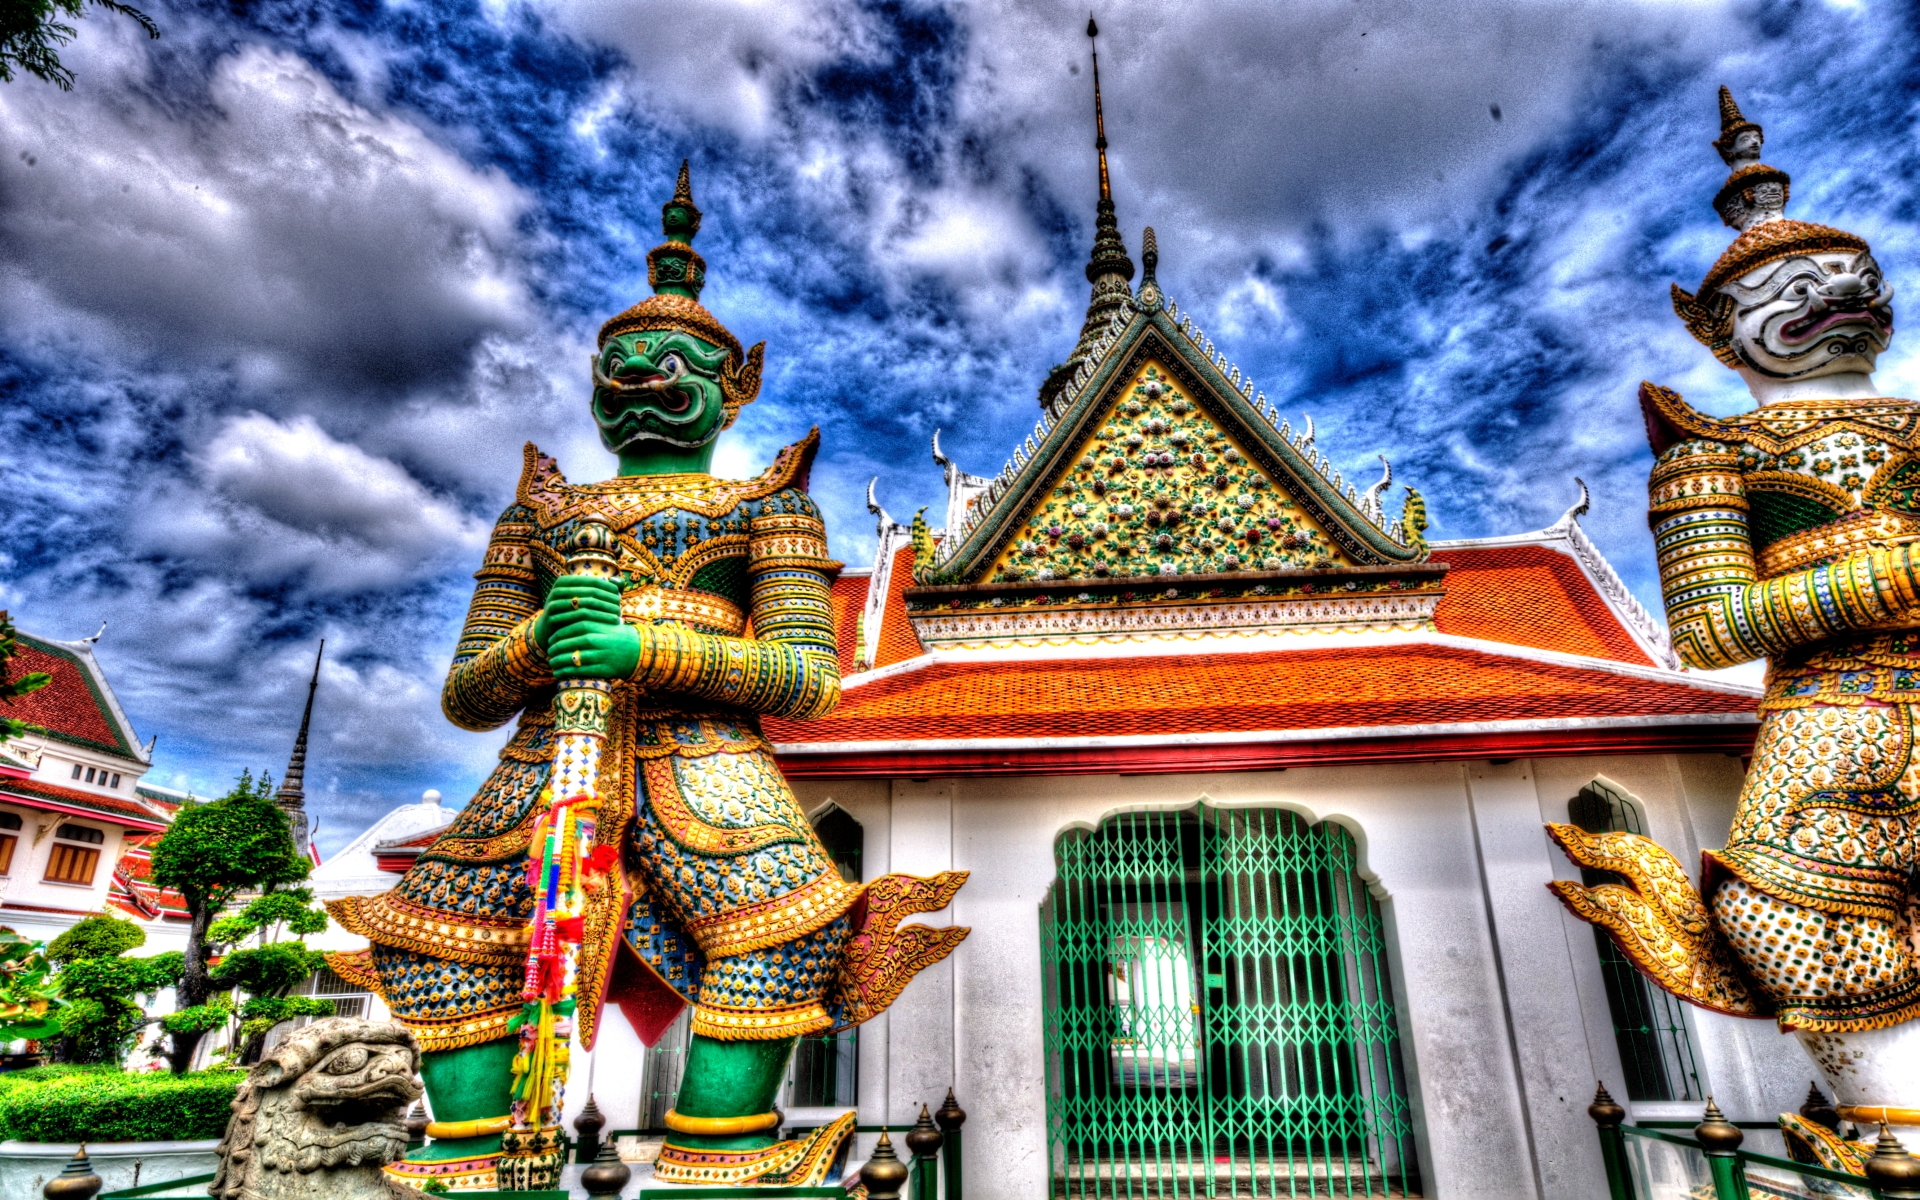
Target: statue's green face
x=658, y=386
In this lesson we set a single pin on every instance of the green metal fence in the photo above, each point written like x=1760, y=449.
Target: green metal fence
x=1648, y=1163
x=1218, y=1014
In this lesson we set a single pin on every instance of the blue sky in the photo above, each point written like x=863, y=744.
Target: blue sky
x=283, y=293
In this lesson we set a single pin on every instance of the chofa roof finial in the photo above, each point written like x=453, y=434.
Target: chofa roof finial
x=1149, y=296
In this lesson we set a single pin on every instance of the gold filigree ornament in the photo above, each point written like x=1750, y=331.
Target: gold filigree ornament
x=883, y=956
x=1657, y=919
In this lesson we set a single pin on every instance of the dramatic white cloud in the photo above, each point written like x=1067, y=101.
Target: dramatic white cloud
x=275, y=502
x=270, y=222
x=727, y=64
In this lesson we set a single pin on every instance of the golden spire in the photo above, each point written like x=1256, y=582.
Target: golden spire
x=1099, y=119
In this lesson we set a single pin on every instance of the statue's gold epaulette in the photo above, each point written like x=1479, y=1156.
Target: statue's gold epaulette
x=541, y=483
x=627, y=499
x=1780, y=427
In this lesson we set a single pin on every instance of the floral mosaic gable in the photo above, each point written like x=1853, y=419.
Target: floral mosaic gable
x=1162, y=488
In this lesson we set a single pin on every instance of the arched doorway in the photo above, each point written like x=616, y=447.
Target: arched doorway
x=1218, y=1014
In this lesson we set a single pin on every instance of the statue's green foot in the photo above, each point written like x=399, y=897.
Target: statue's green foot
x=798, y=1162
x=470, y=1090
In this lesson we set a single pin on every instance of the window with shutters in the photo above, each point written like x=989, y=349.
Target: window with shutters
x=75, y=855
x=9, y=839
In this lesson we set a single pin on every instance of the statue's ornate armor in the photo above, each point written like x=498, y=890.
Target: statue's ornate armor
x=1786, y=532
x=733, y=902
x=676, y=608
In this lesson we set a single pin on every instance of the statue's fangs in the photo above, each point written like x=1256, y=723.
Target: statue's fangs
x=1787, y=533
x=688, y=874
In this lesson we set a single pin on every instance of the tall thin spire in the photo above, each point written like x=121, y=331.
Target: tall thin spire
x=1099, y=118
x=1109, y=269
x=292, y=797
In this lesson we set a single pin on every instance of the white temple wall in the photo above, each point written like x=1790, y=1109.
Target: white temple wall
x=1543, y=1011
x=1503, y=1011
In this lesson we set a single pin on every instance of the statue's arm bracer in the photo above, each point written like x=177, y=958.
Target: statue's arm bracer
x=1718, y=611
x=791, y=666
x=497, y=664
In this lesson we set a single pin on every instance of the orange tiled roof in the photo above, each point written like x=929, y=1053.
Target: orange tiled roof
x=134, y=872
x=848, y=597
x=1530, y=596
x=110, y=807
x=1419, y=684
x=69, y=707
x=898, y=642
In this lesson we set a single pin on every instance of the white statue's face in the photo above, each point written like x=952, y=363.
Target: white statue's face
x=1746, y=144
x=1812, y=315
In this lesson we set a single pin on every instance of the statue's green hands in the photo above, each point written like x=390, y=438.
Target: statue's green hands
x=576, y=599
x=585, y=651
x=582, y=632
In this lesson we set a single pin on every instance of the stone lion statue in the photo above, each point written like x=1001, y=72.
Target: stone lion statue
x=319, y=1117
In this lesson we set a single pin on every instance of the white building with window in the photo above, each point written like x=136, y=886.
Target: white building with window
x=75, y=819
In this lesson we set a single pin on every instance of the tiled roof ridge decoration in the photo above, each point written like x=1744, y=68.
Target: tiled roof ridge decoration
x=891, y=537
x=1367, y=505
x=1639, y=624
x=1611, y=587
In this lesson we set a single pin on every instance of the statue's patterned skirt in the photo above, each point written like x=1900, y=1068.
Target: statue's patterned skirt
x=1823, y=849
x=737, y=906
x=727, y=856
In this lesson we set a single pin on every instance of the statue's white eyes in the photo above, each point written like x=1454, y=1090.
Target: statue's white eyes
x=670, y=364
x=347, y=1061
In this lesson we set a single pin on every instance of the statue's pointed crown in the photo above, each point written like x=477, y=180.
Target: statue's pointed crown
x=676, y=272
x=1748, y=202
x=1732, y=125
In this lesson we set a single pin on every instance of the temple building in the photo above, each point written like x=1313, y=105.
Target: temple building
x=1249, y=777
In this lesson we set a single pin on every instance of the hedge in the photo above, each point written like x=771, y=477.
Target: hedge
x=32, y=1076
x=73, y=1104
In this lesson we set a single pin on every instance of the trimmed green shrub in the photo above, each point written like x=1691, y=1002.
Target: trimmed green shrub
x=74, y=1104
x=33, y=1076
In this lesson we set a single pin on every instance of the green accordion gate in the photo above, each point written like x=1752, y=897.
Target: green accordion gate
x=1219, y=1017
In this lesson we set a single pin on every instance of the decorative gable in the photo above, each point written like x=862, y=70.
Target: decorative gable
x=1088, y=433
x=1158, y=497
x=1162, y=487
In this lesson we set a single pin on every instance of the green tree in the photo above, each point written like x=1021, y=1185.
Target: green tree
x=99, y=984
x=267, y=972
x=12, y=689
x=211, y=855
x=31, y=31
x=30, y=1003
